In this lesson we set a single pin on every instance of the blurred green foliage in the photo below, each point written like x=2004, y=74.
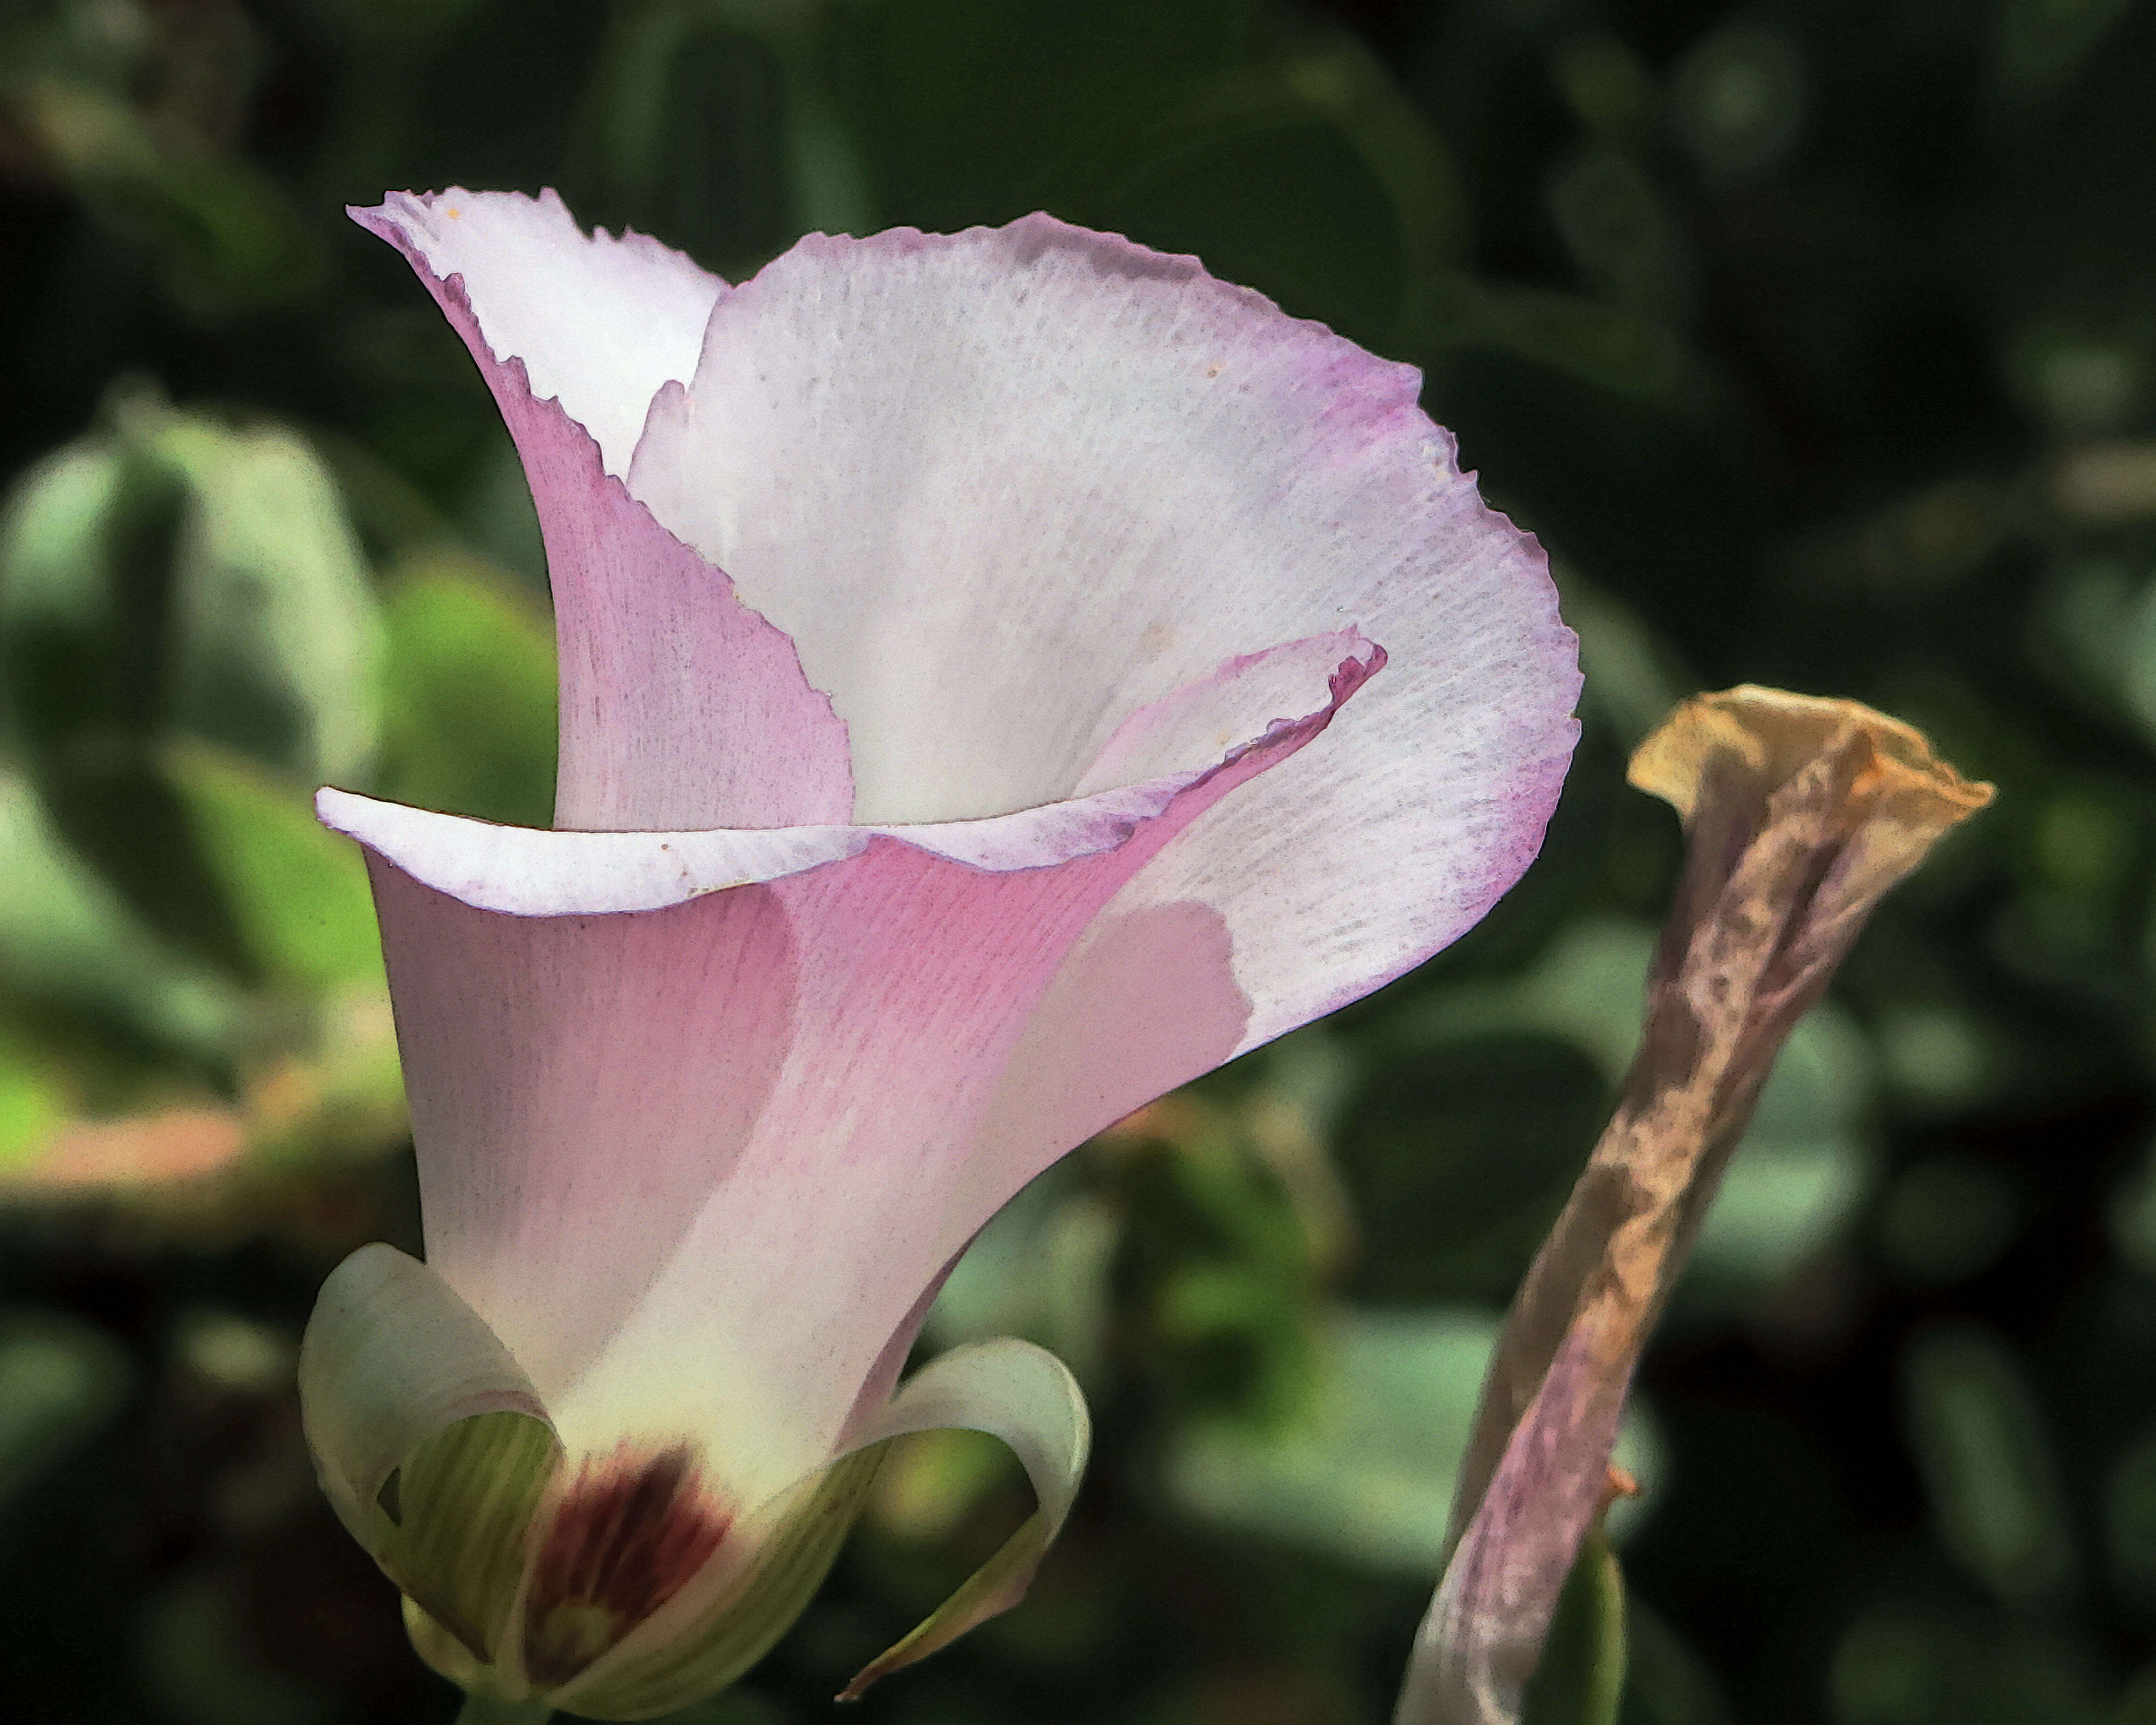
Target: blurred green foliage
x=1818, y=343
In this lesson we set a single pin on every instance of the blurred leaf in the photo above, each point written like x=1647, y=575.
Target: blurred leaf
x=174, y=574
x=1458, y=1156
x=1294, y=166
x=1947, y=1219
x=275, y=642
x=1580, y=1680
x=66, y=937
x=1738, y=96
x=226, y=234
x=299, y=891
x=1213, y=1270
x=1303, y=135
x=1632, y=678
x=1912, y=1664
x=1977, y=1431
x=1665, y=1681
x=61, y=1381
x=1798, y=1174
x=964, y=103
x=1612, y=223
x=469, y=723
x=2129, y=1520
x=31, y=1108
x=1367, y=1472
x=1040, y=1270
x=683, y=127
x=1604, y=345
x=930, y=1482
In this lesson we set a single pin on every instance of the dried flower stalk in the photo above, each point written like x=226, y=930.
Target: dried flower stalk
x=1800, y=814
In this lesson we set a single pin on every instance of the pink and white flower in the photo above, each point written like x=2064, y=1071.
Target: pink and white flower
x=1003, y=675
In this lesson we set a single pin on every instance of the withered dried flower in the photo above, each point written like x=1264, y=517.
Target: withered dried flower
x=1800, y=814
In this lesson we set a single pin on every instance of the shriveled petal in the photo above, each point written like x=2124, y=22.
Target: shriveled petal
x=680, y=707
x=1026, y=1397
x=739, y=1125
x=1800, y=814
x=1123, y=473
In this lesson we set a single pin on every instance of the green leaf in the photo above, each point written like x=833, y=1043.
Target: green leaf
x=66, y=937
x=275, y=645
x=1980, y=1443
x=225, y=232
x=1368, y=1473
x=469, y=718
x=298, y=891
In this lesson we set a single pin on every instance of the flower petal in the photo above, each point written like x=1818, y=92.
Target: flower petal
x=738, y=1124
x=1181, y=741
x=601, y=323
x=1122, y=474
x=680, y=707
x=1027, y=1397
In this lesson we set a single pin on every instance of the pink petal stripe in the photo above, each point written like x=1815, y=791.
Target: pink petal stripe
x=732, y=1130
x=680, y=707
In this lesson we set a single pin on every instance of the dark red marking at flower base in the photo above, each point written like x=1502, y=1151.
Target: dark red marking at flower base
x=627, y=1537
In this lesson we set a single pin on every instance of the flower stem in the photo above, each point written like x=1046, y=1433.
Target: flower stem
x=487, y=1710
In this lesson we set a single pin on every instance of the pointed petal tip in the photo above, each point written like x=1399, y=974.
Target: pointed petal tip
x=1024, y=1396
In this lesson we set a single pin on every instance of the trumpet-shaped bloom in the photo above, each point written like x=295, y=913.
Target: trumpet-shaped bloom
x=1003, y=675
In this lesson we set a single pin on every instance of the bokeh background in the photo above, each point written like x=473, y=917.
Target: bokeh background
x=1817, y=340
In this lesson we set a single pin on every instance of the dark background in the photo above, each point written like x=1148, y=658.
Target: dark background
x=1817, y=340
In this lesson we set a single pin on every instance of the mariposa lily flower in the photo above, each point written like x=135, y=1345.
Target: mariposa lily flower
x=1003, y=675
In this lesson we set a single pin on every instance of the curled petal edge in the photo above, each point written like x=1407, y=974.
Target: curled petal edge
x=1026, y=1397
x=522, y=871
x=430, y=1440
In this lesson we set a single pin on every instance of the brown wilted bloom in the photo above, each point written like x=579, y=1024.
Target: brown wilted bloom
x=1800, y=814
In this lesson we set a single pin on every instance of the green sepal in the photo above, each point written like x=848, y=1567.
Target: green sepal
x=1026, y=1397
x=987, y=1590
x=450, y=1523
x=430, y=1442
x=738, y=1627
